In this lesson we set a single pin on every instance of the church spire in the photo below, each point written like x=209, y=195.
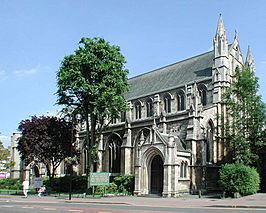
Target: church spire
x=220, y=27
x=220, y=69
x=249, y=60
x=220, y=42
x=236, y=36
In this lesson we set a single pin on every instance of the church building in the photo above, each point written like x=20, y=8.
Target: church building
x=170, y=138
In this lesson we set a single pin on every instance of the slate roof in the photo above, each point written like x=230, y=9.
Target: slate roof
x=172, y=76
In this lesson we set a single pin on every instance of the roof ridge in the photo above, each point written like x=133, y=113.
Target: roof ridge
x=170, y=64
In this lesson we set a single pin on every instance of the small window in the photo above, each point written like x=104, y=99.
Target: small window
x=149, y=107
x=113, y=121
x=203, y=95
x=123, y=116
x=138, y=110
x=167, y=103
x=209, y=142
x=184, y=169
x=180, y=101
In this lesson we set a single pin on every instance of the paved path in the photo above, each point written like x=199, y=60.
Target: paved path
x=252, y=201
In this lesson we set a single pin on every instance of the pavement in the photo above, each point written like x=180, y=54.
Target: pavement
x=257, y=201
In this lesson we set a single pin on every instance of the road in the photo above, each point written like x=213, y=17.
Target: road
x=13, y=206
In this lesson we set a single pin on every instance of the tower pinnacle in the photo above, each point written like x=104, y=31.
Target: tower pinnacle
x=220, y=27
x=249, y=59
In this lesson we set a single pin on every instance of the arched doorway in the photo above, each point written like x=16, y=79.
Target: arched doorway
x=156, y=175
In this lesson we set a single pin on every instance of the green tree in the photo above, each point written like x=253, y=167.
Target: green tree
x=47, y=140
x=4, y=153
x=93, y=80
x=5, y=157
x=244, y=130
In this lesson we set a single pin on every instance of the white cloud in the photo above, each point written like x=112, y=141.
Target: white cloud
x=22, y=73
x=6, y=140
x=3, y=75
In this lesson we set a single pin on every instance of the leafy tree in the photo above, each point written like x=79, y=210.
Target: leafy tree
x=4, y=153
x=4, y=157
x=47, y=140
x=93, y=80
x=246, y=119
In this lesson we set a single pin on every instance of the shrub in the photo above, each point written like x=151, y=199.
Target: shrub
x=125, y=183
x=10, y=183
x=112, y=188
x=99, y=190
x=61, y=184
x=239, y=178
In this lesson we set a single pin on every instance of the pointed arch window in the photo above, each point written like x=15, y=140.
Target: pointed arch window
x=209, y=142
x=123, y=116
x=138, y=110
x=167, y=103
x=113, y=121
x=184, y=169
x=180, y=101
x=149, y=107
x=203, y=94
x=114, y=150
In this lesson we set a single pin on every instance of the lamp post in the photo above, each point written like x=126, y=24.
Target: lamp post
x=72, y=118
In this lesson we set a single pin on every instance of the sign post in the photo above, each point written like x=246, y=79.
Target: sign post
x=99, y=179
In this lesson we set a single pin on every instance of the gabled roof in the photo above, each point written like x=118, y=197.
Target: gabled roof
x=172, y=76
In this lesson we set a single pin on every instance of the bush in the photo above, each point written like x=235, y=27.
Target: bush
x=10, y=183
x=238, y=178
x=125, y=183
x=111, y=189
x=61, y=184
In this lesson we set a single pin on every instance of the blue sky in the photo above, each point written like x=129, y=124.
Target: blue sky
x=36, y=35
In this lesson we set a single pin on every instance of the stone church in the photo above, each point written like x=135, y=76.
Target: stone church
x=170, y=138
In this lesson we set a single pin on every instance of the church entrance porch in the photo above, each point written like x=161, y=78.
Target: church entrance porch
x=156, y=175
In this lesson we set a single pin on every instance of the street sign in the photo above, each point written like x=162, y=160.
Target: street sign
x=99, y=178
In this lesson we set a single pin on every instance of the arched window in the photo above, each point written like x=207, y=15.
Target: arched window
x=209, y=142
x=180, y=101
x=203, y=94
x=138, y=110
x=167, y=103
x=113, y=121
x=149, y=107
x=123, y=116
x=184, y=170
x=114, y=149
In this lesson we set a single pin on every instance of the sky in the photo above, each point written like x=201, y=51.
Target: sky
x=35, y=36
